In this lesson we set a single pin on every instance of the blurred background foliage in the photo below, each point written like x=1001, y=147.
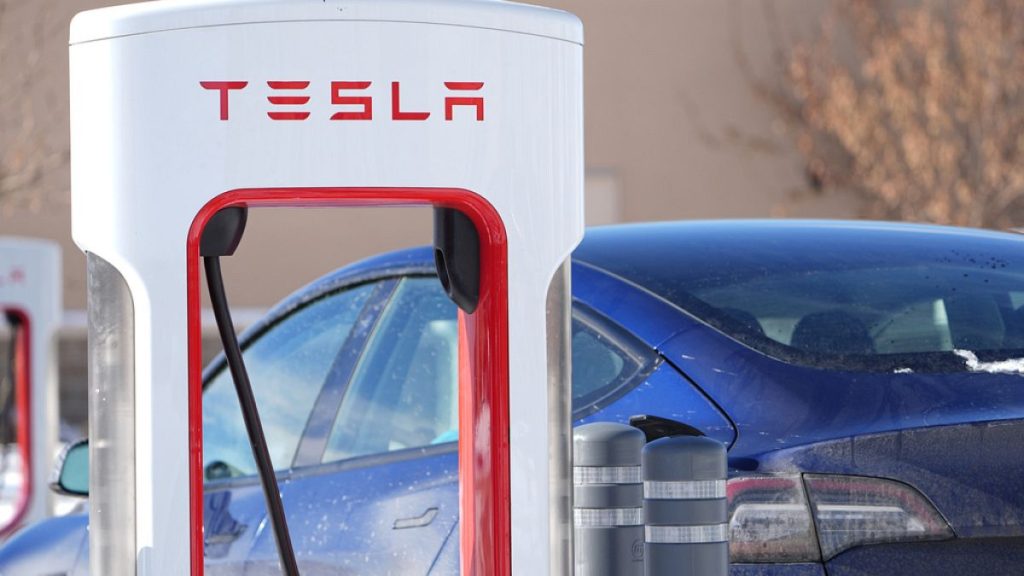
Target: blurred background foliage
x=29, y=149
x=918, y=109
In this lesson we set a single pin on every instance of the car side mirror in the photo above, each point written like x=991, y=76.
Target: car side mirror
x=71, y=470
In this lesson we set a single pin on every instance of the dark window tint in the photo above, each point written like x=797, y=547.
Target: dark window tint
x=605, y=360
x=853, y=296
x=903, y=317
x=287, y=365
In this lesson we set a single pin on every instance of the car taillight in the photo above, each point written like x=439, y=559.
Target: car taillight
x=789, y=519
x=770, y=521
x=853, y=511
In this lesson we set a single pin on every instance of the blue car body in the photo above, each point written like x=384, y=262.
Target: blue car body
x=956, y=436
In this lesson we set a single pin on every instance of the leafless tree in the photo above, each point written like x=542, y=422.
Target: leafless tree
x=918, y=109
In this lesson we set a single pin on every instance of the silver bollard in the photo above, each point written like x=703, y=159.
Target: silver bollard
x=608, y=500
x=687, y=531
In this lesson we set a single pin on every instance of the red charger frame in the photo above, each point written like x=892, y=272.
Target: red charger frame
x=484, y=476
x=23, y=408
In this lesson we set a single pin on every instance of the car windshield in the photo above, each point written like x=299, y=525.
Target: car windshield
x=864, y=297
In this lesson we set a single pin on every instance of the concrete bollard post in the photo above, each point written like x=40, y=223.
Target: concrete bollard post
x=608, y=500
x=687, y=531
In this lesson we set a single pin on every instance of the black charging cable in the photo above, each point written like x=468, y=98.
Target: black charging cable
x=253, y=425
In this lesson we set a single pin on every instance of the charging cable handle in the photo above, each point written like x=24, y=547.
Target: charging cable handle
x=457, y=257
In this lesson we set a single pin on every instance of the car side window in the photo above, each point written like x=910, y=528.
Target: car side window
x=404, y=392
x=287, y=365
x=605, y=360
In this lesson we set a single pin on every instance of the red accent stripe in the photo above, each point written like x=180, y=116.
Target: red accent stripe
x=288, y=115
x=464, y=85
x=195, y=395
x=484, y=477
x=288, y=100
x=23, y=406
x=737, y=486
x=288, y=84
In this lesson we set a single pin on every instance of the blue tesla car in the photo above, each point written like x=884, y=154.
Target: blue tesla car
x=868, y=379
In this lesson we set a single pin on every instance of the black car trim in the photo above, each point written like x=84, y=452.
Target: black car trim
x=313, y=441
x=645, y=360
x=353, y=463
x=357, y=462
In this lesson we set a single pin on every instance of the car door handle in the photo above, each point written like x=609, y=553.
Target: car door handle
x=416, y=522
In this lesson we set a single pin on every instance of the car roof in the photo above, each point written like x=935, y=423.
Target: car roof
x=660, y=256
x=664, y=256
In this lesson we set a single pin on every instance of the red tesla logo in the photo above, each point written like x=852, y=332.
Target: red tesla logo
x=287, y=99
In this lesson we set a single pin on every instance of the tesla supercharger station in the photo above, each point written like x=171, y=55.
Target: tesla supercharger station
x=182, y=109
x=30, y=305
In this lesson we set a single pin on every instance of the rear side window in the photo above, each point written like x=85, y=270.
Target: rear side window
x=605, y=361
x=858, y=296
x=913, y=318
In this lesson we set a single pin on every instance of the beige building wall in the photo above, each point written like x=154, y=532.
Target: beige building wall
x=673, y=131
x=670, y=112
